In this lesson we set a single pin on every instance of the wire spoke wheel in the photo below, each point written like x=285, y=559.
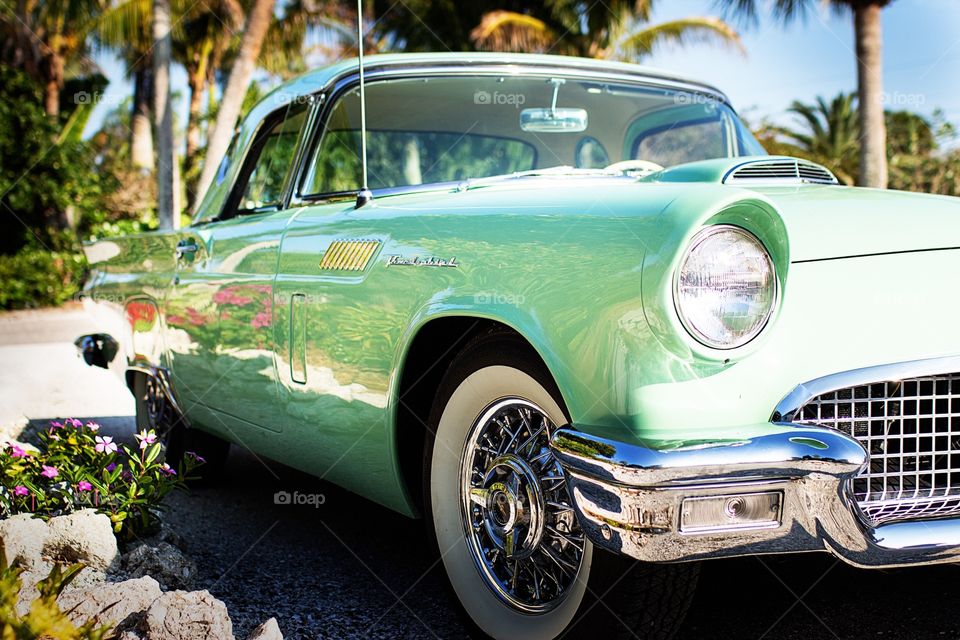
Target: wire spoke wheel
x=517, y=515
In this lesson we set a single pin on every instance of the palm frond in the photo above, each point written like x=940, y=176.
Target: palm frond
x=638, y=40
x=511, y=31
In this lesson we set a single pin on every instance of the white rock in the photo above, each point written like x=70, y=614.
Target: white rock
x=111, y=603
x=83, y=536
x=269, y=630
x=182, y=615
x=22, y=539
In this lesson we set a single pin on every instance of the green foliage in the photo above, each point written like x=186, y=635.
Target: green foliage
x=36, y=277
x=46, y=186
x=44, y=619
x=75, y=468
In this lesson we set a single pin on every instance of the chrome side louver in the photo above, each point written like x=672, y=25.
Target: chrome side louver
x=784, y=171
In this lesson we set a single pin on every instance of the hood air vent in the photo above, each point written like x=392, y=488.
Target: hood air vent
x=779, y=172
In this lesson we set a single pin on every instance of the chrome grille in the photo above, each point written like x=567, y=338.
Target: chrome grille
x=911, y=429
x=780, y=171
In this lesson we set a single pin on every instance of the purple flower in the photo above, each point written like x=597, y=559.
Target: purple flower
x=49, y=472
x=93, y=426
x=105, y=444
x=55, y=425
x=74, y=422
x=83, y=485
x=167, y=469
x=20, y=490
x=17, y=452
x=196, y=456
x=146, y=438
x=111, y=467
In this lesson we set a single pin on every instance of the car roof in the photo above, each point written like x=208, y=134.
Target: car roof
x=316, y=79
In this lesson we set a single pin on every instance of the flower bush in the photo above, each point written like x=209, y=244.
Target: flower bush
x=77, y=468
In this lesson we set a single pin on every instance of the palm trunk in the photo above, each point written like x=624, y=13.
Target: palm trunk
x=141, y=133
x=256, y=30
x=873, y=150
x=51, y=98
x=196, y=82
x=163, y=117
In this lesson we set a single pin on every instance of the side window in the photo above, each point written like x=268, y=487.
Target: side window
x=683, y=142
x=266, y=166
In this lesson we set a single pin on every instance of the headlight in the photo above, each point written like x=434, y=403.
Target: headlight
x=726, y=288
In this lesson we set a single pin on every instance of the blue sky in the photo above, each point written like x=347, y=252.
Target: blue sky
x=807, y=59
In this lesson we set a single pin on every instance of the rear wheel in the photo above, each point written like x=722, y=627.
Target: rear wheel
x=502, y=518
x=155, y=412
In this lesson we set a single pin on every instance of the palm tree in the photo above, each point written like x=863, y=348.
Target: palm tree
x=258, y=22
x=828, y=134
x=126, y=29
x=42, y=37
x=618, y=30
x=867, y=33
x=167, y=211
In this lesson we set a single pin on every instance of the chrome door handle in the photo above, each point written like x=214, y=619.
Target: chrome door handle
x=186, y=248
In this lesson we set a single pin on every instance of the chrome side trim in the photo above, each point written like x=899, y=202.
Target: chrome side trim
x=787, y=408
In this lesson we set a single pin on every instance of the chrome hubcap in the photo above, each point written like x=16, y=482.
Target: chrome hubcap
x=517, y=513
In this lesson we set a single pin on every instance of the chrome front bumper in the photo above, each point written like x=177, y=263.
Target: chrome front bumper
x=628, y=498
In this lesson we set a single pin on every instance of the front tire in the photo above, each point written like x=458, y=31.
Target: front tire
x=502, y=520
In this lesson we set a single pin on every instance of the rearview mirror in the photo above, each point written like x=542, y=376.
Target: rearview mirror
x=562, y=120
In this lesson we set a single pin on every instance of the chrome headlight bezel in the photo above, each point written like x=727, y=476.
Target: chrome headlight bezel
x=695, y=333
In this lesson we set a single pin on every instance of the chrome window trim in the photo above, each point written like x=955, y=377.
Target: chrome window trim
x=787, y=408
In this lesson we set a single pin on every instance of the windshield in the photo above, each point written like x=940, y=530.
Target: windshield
x=445, y=129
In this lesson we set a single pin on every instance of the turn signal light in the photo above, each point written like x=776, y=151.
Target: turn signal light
x=705, y=514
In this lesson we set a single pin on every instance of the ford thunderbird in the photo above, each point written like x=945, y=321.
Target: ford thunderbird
x=571, y=314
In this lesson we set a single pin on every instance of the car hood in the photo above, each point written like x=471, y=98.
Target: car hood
x=823, y=221
x=830, y=222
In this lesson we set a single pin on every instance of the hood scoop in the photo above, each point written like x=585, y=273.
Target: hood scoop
x=779, y=172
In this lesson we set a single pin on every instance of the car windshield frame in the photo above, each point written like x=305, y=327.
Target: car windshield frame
x=347, y=82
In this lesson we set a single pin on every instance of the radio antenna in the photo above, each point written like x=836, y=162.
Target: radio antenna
x=365, y=195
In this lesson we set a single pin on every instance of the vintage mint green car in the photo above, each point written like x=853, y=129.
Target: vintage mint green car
x=584, y=322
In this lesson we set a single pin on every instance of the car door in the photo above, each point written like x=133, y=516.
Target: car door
x=220, y=312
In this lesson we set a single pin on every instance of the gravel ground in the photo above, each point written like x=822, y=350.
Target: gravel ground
x=348, y=568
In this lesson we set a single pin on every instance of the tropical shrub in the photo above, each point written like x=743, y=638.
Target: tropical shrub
x=77, y=468
x=45, y=619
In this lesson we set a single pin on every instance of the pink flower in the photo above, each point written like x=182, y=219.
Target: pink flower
x=74, y=422
x=146, y=438
x=20, y=490
x=105, y=444
x=93, y=426
x=49, y=472
x=83, y=485
x=196, y=456
x=167, y=469
x=261, y=320
x=55, y=425
x=17, y=452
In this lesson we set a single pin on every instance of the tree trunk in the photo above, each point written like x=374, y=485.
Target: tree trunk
x=195, y=80
x=873, y=148
x=141, y=133
x=230, y=104
x=163, y=117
